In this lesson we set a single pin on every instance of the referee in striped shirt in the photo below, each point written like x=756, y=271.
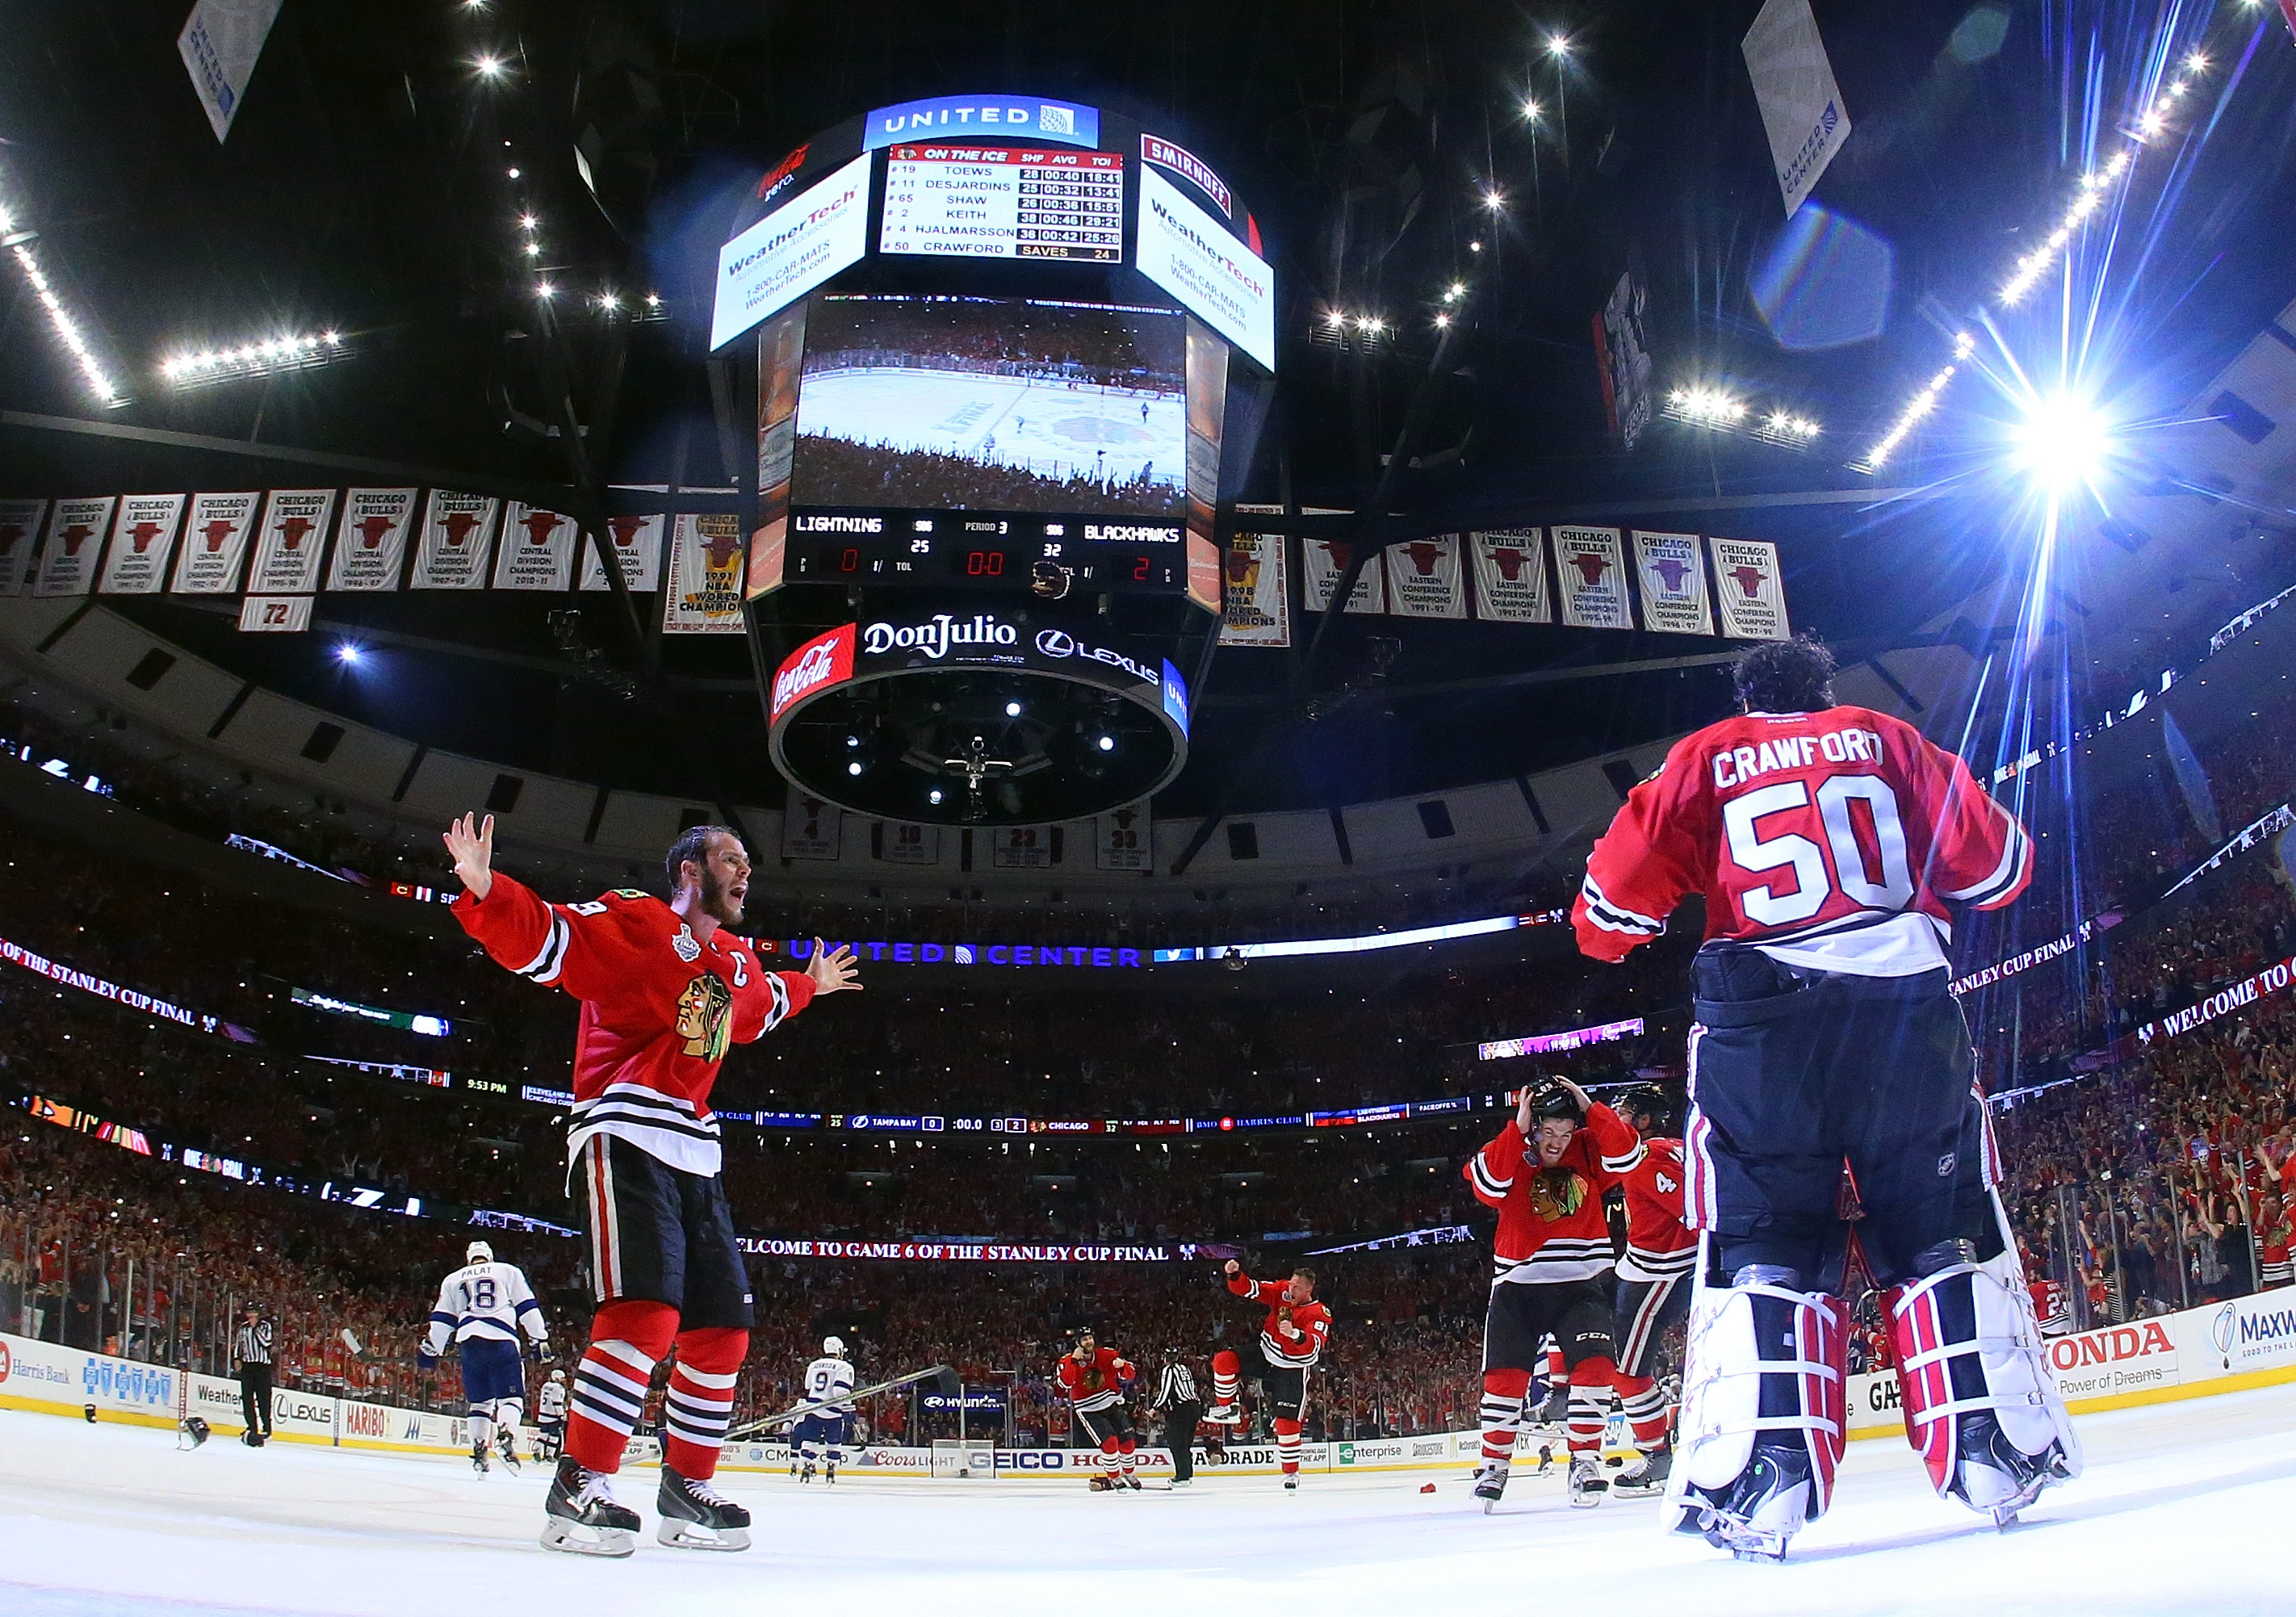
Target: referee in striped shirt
x=1177, y=1400
x=250, y=1347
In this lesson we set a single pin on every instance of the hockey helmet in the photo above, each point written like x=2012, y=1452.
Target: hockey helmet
x=1552, y=1100
x=558, y=1375
x=192, y=1427
x=1648, y=1100
x=479, y=1252
x=834, y=1346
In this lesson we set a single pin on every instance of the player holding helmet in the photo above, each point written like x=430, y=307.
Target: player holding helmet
x=1827, y=842
x=1653, y=1286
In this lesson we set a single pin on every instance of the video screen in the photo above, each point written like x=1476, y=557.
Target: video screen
x=976, y=404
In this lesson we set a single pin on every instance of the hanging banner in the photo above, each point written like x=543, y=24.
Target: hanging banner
x=19, y=535
x=537, y=549
x=1258, y=591
x=143, y=536
x=1800, y=102
x=1622, y=358
x=1126, y=839
x=457, y=530
x=781, y=360
x=274, y=614
x=704, y=596
x=75, y=541
x=1424, y=579
x=219, y=45
x=1020, y=848
x=288, y=546
x=215, y=542
x=1324, y=561
x=1673, y=576
x=895, y=843
x=635, y=542
x=371, y=544
x=1749, y=590
x=810, y=828
x=1510, y=575
x=1590, y=570
x=1207, y=394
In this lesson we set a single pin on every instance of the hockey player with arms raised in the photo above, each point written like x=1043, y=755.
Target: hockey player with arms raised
x=1097, y=1381
x=1291, y=1340
x=665, y=989
x=1827, y=842
x=1546, y=1172
x=484, y=1306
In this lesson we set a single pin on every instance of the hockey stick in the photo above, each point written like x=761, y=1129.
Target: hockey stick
x=945, y=1383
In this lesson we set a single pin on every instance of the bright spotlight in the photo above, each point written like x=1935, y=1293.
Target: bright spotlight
x=1558, y=47
x=934, y=796
x=489, y=67
x=853, y=767
x=1012, y=710
x=1107, y=743
x=1494, y=200
x=1532, y=112
x=348, y=655
x=2060, y=442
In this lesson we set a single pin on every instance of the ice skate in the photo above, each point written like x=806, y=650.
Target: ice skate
x=1996, y=1478
x=695, y=1516
x=506, y=1450
x=1644, y=1476
x=1586, y=1484
x=479, y=1459
x=829, y=1473
x=1759, y=1513
x=805, y=1475
x=584, y=1517
x=1490, y=1483
x=1225, y=1414
x=1291, y=1484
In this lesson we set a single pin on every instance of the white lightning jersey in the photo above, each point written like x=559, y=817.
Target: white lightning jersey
x=485, y=1302
x=550, y=1403
x=830, y=1378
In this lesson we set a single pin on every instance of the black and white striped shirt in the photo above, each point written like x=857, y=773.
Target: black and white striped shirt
x=252, y=1344
x=1177, y=1387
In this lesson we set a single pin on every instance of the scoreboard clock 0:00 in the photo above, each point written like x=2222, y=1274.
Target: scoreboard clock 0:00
x=1050, y=557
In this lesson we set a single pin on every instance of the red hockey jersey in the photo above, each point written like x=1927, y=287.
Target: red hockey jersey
x=1293, y=1334
x=1828, y=840
x=659, y=1008
x=1660, y=1246
x=1096, y=1385
x=1551, y=1223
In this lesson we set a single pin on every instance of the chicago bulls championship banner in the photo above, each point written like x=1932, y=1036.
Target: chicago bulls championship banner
x=1590, y=571
x=19, y=532
x=537, y=549
x=1324, y=561
x=75, y=540
x=371, y=544
x=1673, y=578
x=635, y=542
x=289, y=545
x=457, y=530
x=1749, y=590
x=1424, y=579
x=215, y=542
x=1510, y=575
x=1126, y=838
x=704, y=596
x=1257, y=607
x=143, y=536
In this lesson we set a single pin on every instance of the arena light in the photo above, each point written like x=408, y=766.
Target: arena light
x=1558, y=47
x=1532, y=112
x=489, y=67
x=264, y=357
x=1705, y=407
x=348, y=655
x=1494, y=200
x=2062, y=441
x=21, y=242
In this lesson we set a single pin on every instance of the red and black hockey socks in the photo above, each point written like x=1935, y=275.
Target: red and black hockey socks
x=1126, y=1448
x=1590, y=1398
x=1646, y=1410
x=699, y=1405
x=1116, y=1461
x=1227, y=1378
x=1287, y=1445
x=1502, y=1396
x=627, y=1341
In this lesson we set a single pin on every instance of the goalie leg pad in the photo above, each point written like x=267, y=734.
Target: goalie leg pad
x=1982, y=1406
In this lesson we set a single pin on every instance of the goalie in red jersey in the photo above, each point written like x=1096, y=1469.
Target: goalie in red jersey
x=1291, y=1340
x=666, y=989
x=1096, y=1382
x=1828, y=841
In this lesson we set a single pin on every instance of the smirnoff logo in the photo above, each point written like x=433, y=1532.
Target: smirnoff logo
x=825, y=660
x=935, y=636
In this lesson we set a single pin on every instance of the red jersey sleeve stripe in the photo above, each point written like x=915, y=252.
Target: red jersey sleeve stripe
x=2008, y=877
x=544, y=966
x=1486, y=1185
x=1615, y=918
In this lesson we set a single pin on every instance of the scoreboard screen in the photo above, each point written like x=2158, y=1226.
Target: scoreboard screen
x=1049, y=557
x=984, y=201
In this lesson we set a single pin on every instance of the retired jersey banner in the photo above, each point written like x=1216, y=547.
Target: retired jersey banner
x=1590, y=570
x=1424, y=579
x=1325, y=560
x=1126, y=839
x=274, y=614
x=635, y=542
x=20, y=536
x=894, y=843
x=1510, y=575
x=1673, y=576
x=75, y=542
x=1259, y=592
x=143, y=536
x=1020, y=848
x=215, y=542
x=289, y=545
x=704, y=596
x=810, y=827
x=457, y=530
x=1750, y=590
x=537, y=549
x=371, y=544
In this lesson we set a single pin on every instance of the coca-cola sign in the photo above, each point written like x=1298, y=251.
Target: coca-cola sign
x=821, y=663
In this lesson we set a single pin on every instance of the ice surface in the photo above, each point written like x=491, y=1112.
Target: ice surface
x=2184, y=1508
x=1054, y=429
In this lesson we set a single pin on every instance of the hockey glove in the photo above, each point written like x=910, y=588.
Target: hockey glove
x=545, y=1354
x=425, y=1360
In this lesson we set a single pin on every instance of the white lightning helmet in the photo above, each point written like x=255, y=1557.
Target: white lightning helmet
x=834, y=1346
x=558, y=1375
x=479, y=1252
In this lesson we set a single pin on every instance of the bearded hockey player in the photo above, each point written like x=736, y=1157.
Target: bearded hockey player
x=1546, y=1172
x=1827, y=842
x=483, y=1307
x=1653, y=1287
x=666, y=989
x=1291, y=1340
x=1096, y=1382
x=819, y=1438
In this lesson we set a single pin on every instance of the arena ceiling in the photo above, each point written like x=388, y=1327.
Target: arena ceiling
x=1389, y=153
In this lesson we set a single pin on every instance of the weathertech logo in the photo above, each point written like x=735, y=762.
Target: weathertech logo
x=819, y=663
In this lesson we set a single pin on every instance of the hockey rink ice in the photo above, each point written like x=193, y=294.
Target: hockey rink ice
x=1050, y=427
x=2185, y=1507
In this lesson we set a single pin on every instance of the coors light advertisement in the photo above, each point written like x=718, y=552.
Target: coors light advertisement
x=1673, y=576
x=19, y=535
x=704, y=596
x=371, y=544
x=1590, y=571
x=537, y=549
x=457, y=531
x=143, y=537
x=1749, y=590
x=215, y=542
x=289, y=545
x=75, y=540
x=1510, y=575
x=1424, y=579
x=635, y=542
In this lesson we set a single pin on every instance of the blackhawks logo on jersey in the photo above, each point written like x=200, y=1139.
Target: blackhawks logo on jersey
x=705, y=1017
x=1557, y=1192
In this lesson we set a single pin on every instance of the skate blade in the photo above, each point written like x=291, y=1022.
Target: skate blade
x=613, y=1542
x=686, y=1535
